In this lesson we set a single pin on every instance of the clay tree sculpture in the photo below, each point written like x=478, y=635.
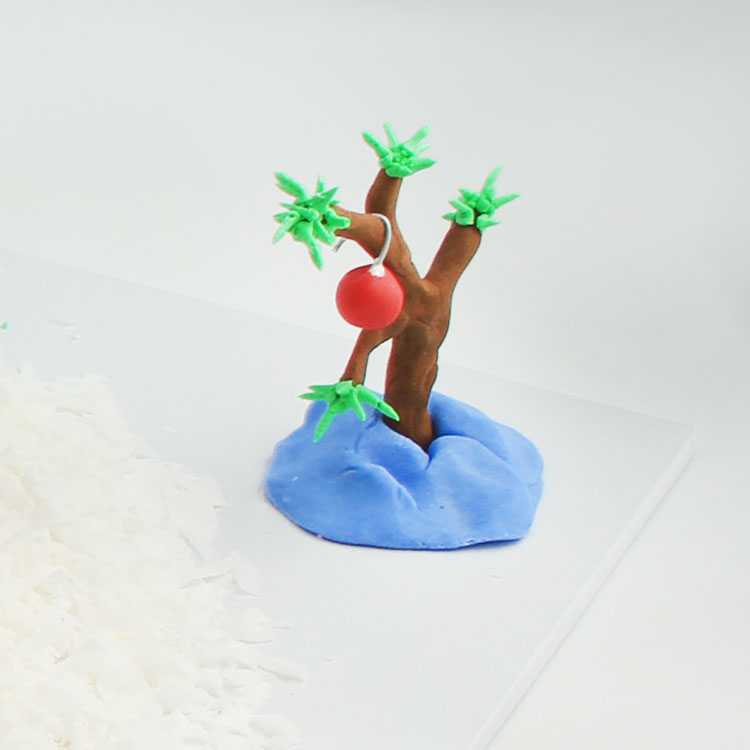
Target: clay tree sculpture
x=420, y=329
x=422, y=471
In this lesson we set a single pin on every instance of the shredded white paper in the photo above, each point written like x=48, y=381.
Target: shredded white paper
x=115, y=630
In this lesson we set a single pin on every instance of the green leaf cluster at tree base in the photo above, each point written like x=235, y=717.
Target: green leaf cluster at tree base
x=342, y=397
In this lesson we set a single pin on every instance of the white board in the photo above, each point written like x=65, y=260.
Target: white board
x=404, y=649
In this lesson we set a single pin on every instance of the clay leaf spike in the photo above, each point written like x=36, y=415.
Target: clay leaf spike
x=477, y=209
x=372, y=398
x=400, y=159
x=342, y=397
x=310, y=219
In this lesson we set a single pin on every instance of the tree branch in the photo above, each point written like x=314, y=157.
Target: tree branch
x=381, y=199
x=383, y=195
x=369, y=231
x=367, y=341
x=456, y=251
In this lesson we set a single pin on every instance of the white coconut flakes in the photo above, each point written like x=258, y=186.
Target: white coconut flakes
x=115, y=631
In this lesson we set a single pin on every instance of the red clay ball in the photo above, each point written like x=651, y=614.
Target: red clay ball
x=368, y=301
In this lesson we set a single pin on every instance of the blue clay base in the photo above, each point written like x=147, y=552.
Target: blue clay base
x=365, y=484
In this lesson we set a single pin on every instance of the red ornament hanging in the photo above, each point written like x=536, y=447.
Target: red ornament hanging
x=371, y=296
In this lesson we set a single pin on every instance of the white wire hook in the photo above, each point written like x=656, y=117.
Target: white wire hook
x=377, y=268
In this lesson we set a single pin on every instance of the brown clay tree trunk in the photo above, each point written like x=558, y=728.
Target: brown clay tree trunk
x=420, y=329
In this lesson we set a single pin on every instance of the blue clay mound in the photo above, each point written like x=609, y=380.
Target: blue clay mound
x=365, y=484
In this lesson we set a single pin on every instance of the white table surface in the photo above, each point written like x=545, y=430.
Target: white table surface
x=412, y=649
x=139, y=140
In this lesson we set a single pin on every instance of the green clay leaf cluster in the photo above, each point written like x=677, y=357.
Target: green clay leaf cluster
x=310, y=218
x=343, y=396
x=401, y=159
x=477, y=209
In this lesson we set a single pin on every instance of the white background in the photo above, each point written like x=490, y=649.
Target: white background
x=140, y=138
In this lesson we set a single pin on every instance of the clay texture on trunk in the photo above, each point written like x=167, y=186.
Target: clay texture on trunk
x=421, y=328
